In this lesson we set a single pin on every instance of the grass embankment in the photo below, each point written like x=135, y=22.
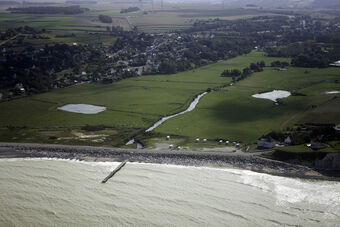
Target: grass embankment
x=135, y=104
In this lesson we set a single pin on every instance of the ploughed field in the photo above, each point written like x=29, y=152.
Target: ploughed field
x=135, y=104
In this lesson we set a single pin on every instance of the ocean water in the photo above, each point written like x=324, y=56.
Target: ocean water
x=52, y=192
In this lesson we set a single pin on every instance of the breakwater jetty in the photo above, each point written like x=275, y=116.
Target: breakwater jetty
x=119, y=167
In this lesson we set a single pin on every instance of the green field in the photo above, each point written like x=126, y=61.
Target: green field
x=160, y=22
x=135, y=104
x=233, y=114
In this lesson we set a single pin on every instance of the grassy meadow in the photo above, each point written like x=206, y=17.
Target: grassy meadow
x=231, y=113
x=135, y=104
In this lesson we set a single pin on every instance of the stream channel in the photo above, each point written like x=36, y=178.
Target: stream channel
x=192, y=106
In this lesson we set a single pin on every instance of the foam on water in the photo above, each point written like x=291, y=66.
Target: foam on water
x=158, y=195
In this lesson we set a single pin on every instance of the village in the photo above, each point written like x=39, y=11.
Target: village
x=136, y=53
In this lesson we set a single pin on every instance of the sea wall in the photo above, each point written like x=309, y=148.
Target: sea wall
x=186, y=158
x=330, y=162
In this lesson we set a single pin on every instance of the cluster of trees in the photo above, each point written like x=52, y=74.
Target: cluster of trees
x=115, y=30
x=130, y=9
x=283, y=36
x=237, y=75
x=49, y=10
x=203, y=51
x=105, y=19
x=214, y=49
x=36, y=69
x=258, y=66
x=231, y=73
x=308, y=55
x=171, y=66
x=133, y=40
x=307, y=61
x=19, y=30
x=320, y=132
x=280, y=64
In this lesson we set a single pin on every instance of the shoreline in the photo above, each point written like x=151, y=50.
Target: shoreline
x=246, y=161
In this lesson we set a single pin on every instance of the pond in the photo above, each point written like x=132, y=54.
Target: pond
x=273, y=95
x=82, y=108
x=332, y=92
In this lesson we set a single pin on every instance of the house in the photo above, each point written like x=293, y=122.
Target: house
x=337, y=129
x=96, y=45
x=336, y=64
x=288, y=140
x=20, y=88
x=331, y=162
x=316, y=146
x=266, y=143
x=3, y=59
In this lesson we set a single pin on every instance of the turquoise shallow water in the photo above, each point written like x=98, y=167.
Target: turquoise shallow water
x=50, y=192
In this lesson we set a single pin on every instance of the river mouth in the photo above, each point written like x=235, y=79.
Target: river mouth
x=273, y=95
x=82, y=108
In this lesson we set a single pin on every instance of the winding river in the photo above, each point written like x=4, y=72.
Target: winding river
x=192, y=106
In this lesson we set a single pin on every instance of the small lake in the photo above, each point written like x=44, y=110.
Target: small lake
x=82, y=108
x=273, y=95
x=332, y=92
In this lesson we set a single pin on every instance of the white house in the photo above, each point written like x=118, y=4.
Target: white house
x=337, y=128
x=288, y=140
x=336, y=64
x=266, y=143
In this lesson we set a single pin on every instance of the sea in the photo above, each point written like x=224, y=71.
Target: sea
x=59, y=192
